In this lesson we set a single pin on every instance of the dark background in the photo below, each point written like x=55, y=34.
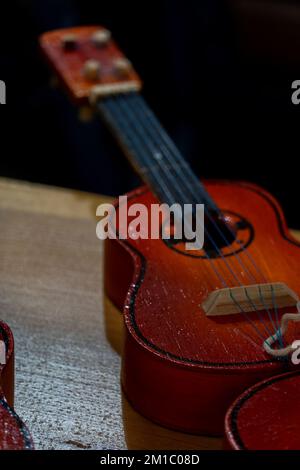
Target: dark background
x=217, y=73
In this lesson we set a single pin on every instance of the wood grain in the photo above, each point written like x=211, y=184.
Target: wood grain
x=67, y=374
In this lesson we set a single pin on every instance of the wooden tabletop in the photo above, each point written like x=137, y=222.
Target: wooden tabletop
x=67, y=374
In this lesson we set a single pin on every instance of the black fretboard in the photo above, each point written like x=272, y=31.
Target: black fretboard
x=152, y=152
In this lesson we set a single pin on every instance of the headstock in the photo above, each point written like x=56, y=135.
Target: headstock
x=89, y=63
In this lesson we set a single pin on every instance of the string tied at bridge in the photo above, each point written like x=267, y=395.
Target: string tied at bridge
x=269, y=342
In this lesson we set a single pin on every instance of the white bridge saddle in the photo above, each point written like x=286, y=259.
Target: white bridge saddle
x=233, y=300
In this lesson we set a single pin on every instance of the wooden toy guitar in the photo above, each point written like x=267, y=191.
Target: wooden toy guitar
x=198, y=323
x=14, y=435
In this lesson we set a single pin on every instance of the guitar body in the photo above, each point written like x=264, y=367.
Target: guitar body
x=267, y=416
x=14, y=435
x=181, y=368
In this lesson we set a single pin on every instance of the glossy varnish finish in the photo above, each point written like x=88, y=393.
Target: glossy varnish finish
x=267, y=416
x=180, y=368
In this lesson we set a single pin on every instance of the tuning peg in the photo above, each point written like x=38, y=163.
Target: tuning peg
x=69, y=41
x=101, y=38
x=92, y=70
x=122, y=67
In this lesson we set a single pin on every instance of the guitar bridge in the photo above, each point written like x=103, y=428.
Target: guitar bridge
x=233, y=300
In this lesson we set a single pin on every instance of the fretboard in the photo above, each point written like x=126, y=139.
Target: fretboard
x=152, y=152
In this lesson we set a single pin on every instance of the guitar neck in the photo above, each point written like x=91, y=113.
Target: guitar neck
x=151, y=151
x=93, y=69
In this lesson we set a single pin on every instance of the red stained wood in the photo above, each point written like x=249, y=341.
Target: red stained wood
x=267, y=416
x=181, y=368
x=68, y=64
x=14, y=435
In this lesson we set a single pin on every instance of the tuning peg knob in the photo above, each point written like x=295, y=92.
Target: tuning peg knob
x=122, y=67
x=101, y=38
x=69, y=42
x=92, y=70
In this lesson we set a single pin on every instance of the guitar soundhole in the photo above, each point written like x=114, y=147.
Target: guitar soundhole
x=224, y=237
